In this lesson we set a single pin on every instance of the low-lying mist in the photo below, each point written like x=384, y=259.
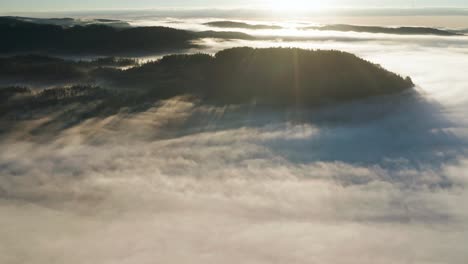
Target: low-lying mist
x=378, y=180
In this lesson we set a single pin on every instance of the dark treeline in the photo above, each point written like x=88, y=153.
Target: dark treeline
x=278, y=76
x=48, y=70
x=233, y=24
x=269, y=77
x=18, y=101
x=13, y=92
x=386, y=30
x=26, y=35
x=51, y=94
x=224, y=35
x=69, y=22
x=21, y=36
x=296, y=76
x=275, y=76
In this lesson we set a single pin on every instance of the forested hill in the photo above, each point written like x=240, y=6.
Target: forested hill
x=274, y=76
x=21, y=36
x=47, y=36
x=386, y=30
x=234, y=24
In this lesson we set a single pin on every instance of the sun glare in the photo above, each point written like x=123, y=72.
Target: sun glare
x=294, y=5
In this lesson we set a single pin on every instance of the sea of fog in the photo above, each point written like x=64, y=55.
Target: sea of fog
x=382, y=180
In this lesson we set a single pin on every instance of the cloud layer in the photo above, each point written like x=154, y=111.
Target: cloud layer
x=253, y=186
x=376, y=181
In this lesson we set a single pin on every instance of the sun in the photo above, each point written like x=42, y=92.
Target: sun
x=294, y=5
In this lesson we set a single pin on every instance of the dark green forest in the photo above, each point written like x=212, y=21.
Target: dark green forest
x=387, y=30
x=22, y=36
x=234, y=24
x=274, y=76
x=110, y=38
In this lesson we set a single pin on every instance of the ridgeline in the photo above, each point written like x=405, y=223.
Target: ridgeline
x=274, y=77
x=234, y=24
x=98, y=37
x=386, y=30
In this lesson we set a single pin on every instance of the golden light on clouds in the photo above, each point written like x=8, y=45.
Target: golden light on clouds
x=295, y=5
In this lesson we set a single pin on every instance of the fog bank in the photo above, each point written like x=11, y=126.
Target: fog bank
x=382, y=180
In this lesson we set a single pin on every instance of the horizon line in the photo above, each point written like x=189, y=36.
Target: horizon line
x=251, y=8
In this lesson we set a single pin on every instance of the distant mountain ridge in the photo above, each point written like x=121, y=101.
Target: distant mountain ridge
x=385, y=30
x=69, y=22
x=19, y=35
x=234, y=24
x=62, y=36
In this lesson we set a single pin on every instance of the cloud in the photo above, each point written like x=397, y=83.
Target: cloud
x=376, y=181
x=163, y=185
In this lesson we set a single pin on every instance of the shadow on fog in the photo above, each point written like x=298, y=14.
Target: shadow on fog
x=403, y=138
x=395, y=132
x=392, y=131
x=275, y=76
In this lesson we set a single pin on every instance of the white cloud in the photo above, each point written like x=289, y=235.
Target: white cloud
x=377, y=181
x=222, y=194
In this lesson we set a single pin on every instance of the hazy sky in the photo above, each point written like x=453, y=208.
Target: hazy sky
x=50, y=5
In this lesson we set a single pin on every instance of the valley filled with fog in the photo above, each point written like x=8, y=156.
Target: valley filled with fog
x=376, y=180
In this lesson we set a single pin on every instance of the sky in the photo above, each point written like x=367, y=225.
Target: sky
x=71, y=5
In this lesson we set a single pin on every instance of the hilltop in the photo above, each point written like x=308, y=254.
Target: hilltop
x=273, y=76
x=386, y=30
x=234, y=24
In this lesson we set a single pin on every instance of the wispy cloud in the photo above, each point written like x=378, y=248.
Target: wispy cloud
x=381, y=180
x=263, y=190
